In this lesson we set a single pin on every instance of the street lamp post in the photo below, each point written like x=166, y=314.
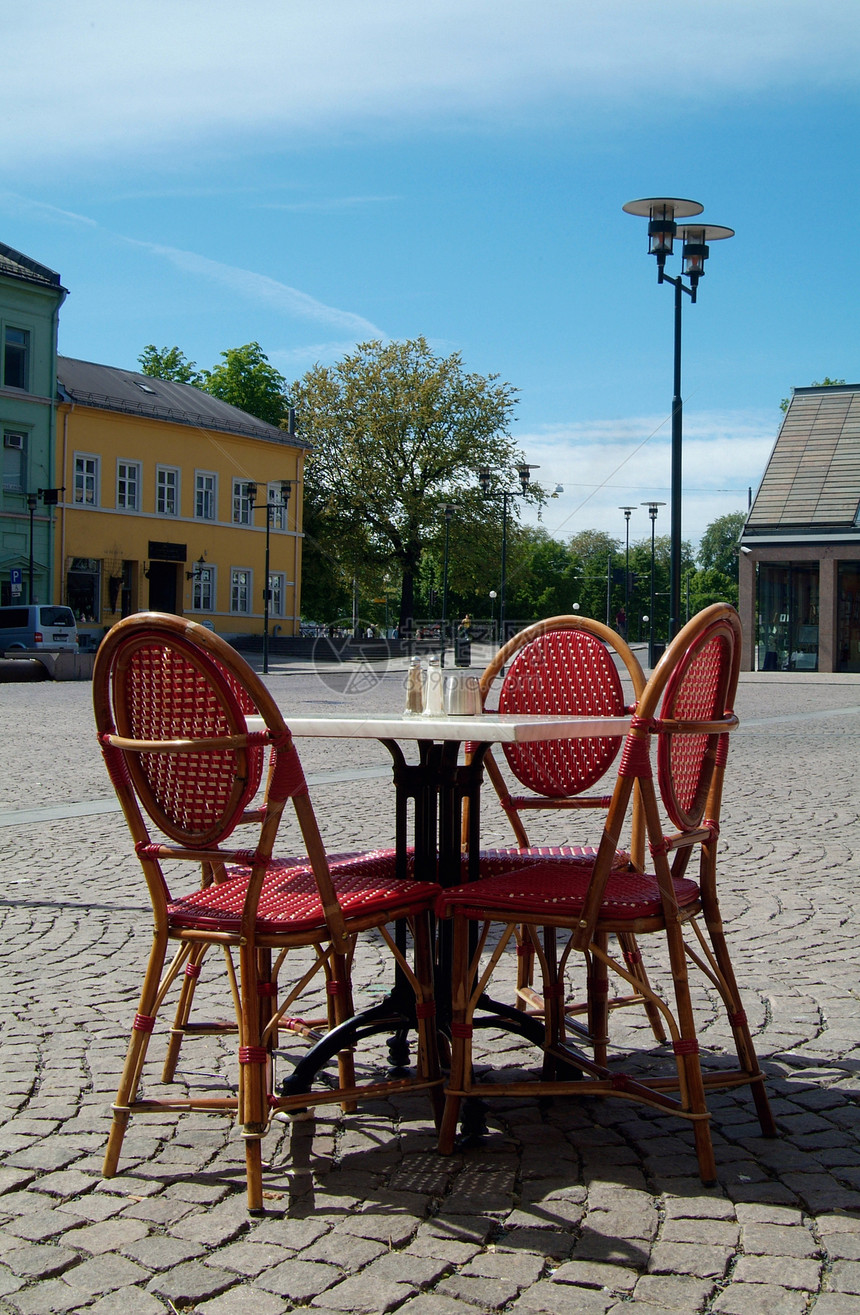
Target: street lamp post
x=286, y=486
x=50, y=498
x=662, y=212
x=627, y=511
x=653, y=508
x=485, y=479
x=448, y=508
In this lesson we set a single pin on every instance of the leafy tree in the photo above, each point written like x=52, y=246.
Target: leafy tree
x=247, y=380
x=169, y=363
x=395, y=433
x=718, y=549
x=826, y=382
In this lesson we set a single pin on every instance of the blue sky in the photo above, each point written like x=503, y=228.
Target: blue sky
x=312, y=173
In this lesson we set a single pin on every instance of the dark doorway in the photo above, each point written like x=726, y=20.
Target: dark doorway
x=162, y=586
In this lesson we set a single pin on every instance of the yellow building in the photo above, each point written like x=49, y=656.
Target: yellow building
x=170, y=499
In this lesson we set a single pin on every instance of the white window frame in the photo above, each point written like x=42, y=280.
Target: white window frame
x=242, y=510
x=241, y=590
x=277, y=593
x=7, y=461
x=203, y=589
x=207, y=492
x=163, y=490
x=91, y=477
x=128, y=480
x=279, y=513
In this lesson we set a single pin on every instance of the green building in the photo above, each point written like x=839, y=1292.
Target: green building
x=30, y=301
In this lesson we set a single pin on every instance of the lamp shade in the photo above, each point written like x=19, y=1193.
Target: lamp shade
x=661, y=213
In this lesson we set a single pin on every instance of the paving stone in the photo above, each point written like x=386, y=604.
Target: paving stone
x=105, y=1274
x=241, y=1299
x=156, y=1253
x=42, y=1225
x=843, y=1277
x=759, y=1299
x=110, y=1235
x=191, y=1282
x=53, y=1297
x=128, y=1301
x=672, y=1292
x=250, y=1257
x=700, y=1261
x=771, y=1239
x=299, y=1280
x=40, y=1261
x=431, y=1303
x=491, y=1293
x=782, y=1271
x=563, y=1299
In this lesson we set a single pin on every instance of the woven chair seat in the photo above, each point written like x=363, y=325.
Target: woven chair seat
x=494, y=862
x=290, y=902
x=553, y=891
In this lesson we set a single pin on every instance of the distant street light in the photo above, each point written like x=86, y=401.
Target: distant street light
x=272, y=505
x=448, y=509
x=653, y=508
x=485, y=479
x=661, y=212
x=627, y=511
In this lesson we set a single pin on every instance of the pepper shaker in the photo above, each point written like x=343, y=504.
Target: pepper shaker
x=414, y=689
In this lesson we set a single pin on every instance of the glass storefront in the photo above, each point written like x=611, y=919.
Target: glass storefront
x=83, y=588
x=788, y=617
x=848, y=617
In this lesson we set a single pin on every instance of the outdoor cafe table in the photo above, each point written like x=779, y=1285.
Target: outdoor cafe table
x=437, y=785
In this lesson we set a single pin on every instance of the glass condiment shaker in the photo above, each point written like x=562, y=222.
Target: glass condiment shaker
x=414, y=689
x=433, y=693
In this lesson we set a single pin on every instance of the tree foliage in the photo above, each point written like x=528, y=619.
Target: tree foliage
x=718, y=549
x=826, y=382
x=245, y=378
x=396, y=432
x=169, y=363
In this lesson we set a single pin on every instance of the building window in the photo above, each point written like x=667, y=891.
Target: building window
x=128, y=485
x=240, y=590
x=87, y=480
x=277, y=593
x=205, y=495
x=203, y=592
x=16, y=358
x=243, y=507
x=167, y=491
x=83, y=588
x=14, y=462
x=278, y=511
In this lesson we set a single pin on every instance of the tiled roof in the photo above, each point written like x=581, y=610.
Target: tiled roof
x=18, y=266
x=812, y=480
x=111, y=389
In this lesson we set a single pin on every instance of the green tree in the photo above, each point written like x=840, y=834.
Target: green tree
x=718, y=549
x=169, y=363
x=395, y=432
x=246, y=379
x=826, y=382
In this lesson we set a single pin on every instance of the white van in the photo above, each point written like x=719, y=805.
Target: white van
x=43, y=626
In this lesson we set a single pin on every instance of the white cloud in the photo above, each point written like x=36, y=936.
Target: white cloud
x=609, y=464
x=260, y=287
x=148, y=74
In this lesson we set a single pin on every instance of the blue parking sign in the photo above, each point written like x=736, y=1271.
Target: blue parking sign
x=16, y=576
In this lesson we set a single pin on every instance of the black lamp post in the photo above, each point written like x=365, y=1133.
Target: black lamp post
x=485, y=479
x=653, y=508
x=50, y=498
x=662, y=212
x=627, y=511
x=286, y=487
x=448, y=508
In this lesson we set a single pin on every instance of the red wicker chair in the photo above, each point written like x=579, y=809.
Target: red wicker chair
x=564, y=664
x=696, y=681
x=185, y=726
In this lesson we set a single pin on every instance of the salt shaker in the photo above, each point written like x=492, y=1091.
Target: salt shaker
x=414, y=689
x=433, y=694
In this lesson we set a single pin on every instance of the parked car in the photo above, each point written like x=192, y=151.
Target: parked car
x=44, y=626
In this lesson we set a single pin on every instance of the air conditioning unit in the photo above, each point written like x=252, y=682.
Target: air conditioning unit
x=14, y=441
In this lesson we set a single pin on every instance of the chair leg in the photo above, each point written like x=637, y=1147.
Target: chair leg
x=633, y=961
x=183, y=1011
x=427, y=1061
x=141, y=1031
x=254, y=1173
x=687, y=1057
x=340, y=1008
x=461, y=1035
x=525, y=966
x=598, y=1000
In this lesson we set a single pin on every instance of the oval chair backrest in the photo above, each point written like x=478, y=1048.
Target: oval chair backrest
x=571, y=672
x=163, y=688
x=697, y=690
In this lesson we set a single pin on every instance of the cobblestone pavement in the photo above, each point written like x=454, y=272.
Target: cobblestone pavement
x=573, y=1207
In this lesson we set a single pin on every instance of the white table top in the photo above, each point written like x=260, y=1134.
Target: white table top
x=493, y=728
